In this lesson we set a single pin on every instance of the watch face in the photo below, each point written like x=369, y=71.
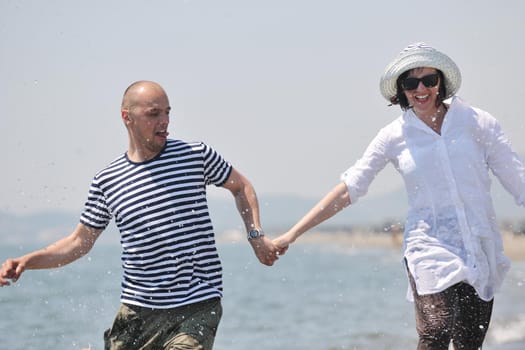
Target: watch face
x=254, y=233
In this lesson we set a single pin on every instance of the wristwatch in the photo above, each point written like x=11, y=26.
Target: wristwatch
x=254, y=233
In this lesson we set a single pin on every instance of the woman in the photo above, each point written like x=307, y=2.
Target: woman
x=444, y=150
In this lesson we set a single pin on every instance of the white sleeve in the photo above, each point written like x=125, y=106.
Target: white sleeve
x=359, y=176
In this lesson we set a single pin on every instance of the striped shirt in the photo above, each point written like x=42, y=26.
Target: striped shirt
x=169, y=256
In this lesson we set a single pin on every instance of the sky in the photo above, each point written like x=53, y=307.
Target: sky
x=287, y=91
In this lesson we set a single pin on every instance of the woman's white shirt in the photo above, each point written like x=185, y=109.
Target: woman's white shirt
x=451, y=230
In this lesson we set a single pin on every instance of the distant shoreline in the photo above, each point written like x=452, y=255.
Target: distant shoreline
x=514, y=245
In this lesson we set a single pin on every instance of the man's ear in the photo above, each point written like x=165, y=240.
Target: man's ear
x=125, y=116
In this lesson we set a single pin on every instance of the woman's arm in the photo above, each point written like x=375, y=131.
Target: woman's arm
x=333, y=202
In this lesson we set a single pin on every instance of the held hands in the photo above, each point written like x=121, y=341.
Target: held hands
x=283, y=241
x=268, y=251
x=265, y=250
x=11, y=270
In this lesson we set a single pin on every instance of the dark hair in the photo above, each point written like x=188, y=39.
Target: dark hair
x=401, y=99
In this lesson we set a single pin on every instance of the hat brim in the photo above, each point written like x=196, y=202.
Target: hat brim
x=416, y=59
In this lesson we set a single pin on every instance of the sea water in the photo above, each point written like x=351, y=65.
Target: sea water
x=318, y=296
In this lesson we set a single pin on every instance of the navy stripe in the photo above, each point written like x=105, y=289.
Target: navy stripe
x=169, y=255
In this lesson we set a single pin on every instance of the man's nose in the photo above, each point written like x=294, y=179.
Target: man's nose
x=165, y=119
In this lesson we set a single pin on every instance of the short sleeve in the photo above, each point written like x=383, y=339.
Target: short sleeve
x=216, y=168
x=96, y=213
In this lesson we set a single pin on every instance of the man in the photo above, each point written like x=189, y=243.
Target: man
x=172, y=280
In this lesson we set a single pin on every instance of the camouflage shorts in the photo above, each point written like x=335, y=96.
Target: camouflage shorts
x=189, y=327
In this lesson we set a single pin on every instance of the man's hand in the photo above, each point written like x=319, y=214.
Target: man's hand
x=265, y=250
x=11, y=270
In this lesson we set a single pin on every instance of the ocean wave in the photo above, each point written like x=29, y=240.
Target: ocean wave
x=507, y=331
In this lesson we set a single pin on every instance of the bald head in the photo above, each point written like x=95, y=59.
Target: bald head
x=136, y=92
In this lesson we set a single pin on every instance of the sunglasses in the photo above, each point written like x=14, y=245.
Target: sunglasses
x=428, y=80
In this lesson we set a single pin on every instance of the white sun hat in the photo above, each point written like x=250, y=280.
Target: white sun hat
x=419, y=55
